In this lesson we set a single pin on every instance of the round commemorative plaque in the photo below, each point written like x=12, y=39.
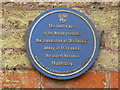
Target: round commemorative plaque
x=62, y=43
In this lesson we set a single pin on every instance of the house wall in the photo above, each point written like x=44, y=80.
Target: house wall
x=16, y=68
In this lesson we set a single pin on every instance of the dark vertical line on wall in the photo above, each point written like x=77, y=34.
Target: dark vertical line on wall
x=102, y=42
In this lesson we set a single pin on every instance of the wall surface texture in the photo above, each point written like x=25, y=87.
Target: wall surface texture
x=16, y=69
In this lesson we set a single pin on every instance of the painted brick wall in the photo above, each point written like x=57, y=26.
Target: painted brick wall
x=18, y=72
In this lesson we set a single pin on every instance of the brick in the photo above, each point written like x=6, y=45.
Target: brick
x=15, y=58
x=110, y=39
x=13, y=38
x=87, y=80
x=114, y=80
x=19, y=19
x=106, y=61
x=27, y=79
x=104, y=19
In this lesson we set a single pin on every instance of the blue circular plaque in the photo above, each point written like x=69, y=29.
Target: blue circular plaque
x=62, y=43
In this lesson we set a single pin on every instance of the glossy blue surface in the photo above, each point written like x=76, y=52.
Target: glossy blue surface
x=88, y=51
